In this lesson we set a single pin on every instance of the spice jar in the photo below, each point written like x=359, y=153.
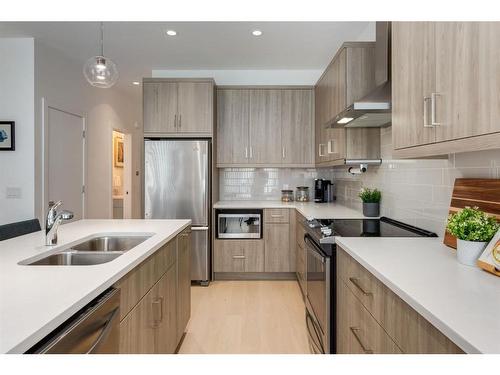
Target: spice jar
x=302, y=194
x=287, y=195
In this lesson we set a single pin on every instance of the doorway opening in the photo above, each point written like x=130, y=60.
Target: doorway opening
x=121, y=180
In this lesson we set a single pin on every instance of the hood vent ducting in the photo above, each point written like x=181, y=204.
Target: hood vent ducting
x=374, y=109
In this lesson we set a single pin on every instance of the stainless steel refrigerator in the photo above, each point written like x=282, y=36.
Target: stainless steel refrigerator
x=177, y=186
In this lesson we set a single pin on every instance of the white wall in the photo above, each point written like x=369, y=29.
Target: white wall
x=60, y=81
x=247, y=77
x=16, y=104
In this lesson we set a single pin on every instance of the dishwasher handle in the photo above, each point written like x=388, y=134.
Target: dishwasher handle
x=106, y=329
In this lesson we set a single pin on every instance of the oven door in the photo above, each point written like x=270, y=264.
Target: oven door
x=318, y=292
x=238, y=226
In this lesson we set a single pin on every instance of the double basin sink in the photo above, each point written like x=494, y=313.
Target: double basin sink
x=94, y=251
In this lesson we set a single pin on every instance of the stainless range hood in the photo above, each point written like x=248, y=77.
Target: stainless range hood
x=373, y=110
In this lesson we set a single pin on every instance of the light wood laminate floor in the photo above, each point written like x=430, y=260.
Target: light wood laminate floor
x=230, y=317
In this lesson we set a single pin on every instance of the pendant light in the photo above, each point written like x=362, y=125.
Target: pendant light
x=99, y=70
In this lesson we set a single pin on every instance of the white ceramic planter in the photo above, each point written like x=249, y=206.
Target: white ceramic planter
x=469, y=251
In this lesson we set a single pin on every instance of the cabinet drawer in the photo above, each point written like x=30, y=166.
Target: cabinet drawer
x=357, y=331
x=137, y=282
x=276, y=215
x=411, y=332
x=238, y=256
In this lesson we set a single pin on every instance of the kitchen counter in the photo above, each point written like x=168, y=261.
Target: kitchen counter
x=309, y=210
x=462, y=302
x=34, y=300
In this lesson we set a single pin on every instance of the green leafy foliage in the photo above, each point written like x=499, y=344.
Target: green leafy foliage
x=370, y=195
x=471, y=224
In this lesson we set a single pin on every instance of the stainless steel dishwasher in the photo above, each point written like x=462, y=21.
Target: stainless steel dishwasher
x=93, y=330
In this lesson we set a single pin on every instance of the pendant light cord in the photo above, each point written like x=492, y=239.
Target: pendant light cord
x=102, y=38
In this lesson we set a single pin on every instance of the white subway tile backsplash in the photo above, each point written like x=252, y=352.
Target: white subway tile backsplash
x=417, y=192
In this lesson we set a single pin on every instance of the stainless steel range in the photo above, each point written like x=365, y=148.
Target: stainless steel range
x=321, y=264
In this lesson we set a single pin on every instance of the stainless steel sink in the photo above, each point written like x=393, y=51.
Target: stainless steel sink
x=76, y=258
x=97, y=250
x=110, y=243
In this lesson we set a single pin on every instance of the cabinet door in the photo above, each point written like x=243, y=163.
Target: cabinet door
x=319, y=129
x=195, y=107
x=265, y=127
x=184, y=282
x=232, y=126
x=297, y=129
x=467, y=79
x=413, y=81
x=167, y=330
x=160, y=107
x=139, y=328
x=357, y=331
x=279, y=255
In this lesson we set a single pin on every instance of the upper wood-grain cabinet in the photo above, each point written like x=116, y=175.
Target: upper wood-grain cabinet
x=232, y=126
x=350, y=76
x=180, y=107
x=446, y=85
x=265, y=127
x=297, y=140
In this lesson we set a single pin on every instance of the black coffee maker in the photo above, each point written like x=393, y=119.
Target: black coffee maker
x=322, y=190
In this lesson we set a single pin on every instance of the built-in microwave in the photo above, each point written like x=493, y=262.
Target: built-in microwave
x=239, y=224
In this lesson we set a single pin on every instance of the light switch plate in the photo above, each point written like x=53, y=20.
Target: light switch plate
x=13, y=193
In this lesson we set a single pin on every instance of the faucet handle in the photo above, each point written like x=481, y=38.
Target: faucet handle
x=53, y=206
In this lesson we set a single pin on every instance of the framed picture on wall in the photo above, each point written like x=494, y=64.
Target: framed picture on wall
x=119, y=156
x=7, y=136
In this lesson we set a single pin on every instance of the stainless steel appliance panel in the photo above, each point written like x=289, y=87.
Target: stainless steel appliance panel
x=239, y=225
x=318, y=294
x=96, y=330
x=177, y=180
x=200, y=254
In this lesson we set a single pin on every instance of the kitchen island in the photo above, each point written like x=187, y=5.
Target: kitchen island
x=34, y=300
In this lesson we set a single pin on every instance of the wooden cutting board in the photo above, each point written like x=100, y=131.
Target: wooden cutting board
x=474, y=192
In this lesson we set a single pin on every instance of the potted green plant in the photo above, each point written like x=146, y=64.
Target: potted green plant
x=473, y=230
x=371, y=201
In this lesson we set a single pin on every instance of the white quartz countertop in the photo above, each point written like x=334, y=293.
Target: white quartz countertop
x=462, y=302
x=309, y=210
x=34, y=300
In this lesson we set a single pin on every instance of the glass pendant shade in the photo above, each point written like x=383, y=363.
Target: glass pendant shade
x=100, y=72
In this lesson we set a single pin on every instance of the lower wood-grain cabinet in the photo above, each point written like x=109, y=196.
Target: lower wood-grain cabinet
x=155, y=300
x=300, y=257
x=237, y=256
x=369, y=314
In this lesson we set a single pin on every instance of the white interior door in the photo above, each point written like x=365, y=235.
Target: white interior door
x=65, y=153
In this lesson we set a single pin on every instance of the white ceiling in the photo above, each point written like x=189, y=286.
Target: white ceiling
x=140, y=47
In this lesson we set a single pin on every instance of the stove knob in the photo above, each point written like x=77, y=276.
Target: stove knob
x=326, y=231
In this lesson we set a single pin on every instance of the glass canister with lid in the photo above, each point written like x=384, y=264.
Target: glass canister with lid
x=287, y=195
x=302, y=194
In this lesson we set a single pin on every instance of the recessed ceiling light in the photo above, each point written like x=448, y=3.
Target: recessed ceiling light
x=171, y=32
x=256, y=33
x=136, y=83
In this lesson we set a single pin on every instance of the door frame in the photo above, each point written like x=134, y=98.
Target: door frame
x=127, y=172
x=45, y=159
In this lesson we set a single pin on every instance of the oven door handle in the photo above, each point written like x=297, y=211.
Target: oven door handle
x=317, y=253
x=317, y=346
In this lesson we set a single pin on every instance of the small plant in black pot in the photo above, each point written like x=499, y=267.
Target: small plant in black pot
x=371, y=201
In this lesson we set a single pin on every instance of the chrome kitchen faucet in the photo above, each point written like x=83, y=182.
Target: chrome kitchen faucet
x=52, y=222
